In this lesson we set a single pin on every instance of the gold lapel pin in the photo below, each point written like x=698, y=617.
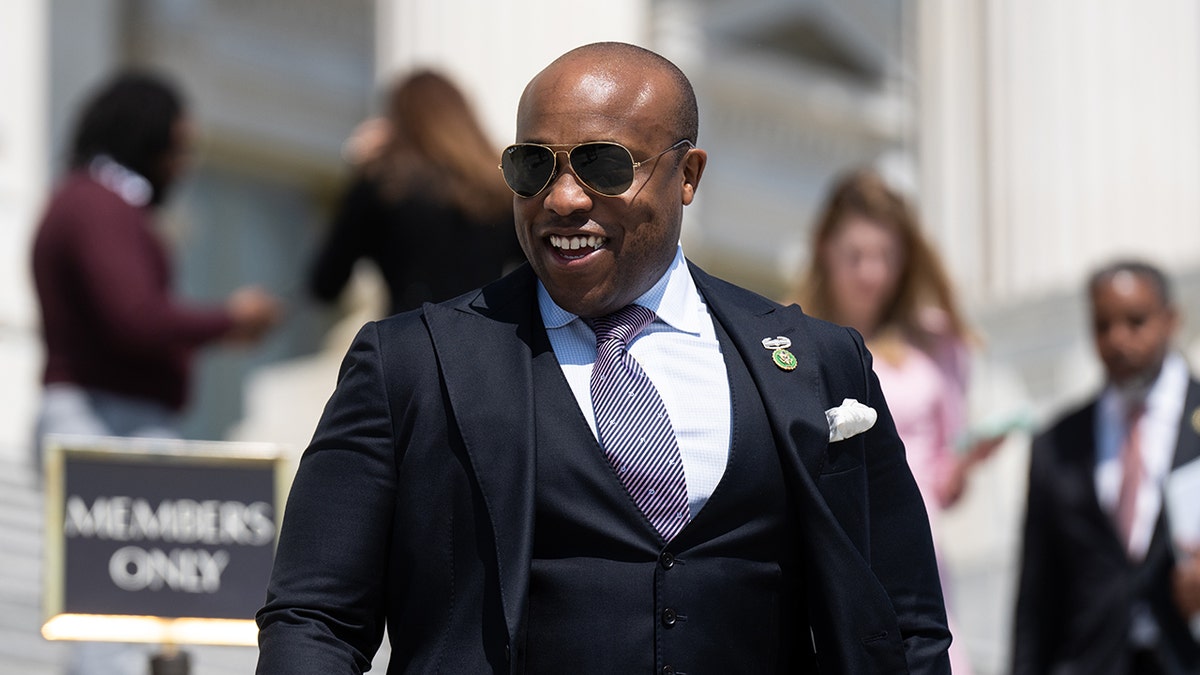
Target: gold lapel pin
x=1196, y=420
x=779, y=352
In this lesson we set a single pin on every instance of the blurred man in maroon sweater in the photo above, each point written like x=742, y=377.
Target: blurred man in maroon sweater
x=118, y=342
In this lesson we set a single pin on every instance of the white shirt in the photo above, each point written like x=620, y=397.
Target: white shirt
x=1158, y=435
x=680, y=354
x=129, y=185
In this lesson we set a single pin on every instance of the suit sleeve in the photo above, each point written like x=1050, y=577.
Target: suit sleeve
x=901, y=545
x=1037, y=609
x=325, y=601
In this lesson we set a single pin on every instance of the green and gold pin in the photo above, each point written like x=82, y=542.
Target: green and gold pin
x=779, y=353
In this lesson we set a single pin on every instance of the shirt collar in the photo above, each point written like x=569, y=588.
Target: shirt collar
x=673, y=298
x=129, y=185
x=1164, y=392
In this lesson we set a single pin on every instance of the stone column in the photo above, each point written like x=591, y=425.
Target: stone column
x=24, y=132
x=1057, y=135
x=51, y=52
x=492, y=49
x=23, y=179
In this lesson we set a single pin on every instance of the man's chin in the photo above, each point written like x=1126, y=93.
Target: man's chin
x=1136, y=385
x=586, y=303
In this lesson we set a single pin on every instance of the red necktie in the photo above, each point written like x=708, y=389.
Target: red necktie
x=1132, y=472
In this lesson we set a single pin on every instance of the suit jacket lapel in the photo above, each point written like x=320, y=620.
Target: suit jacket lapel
x=1079, y=449
x=795, y=402
x=1187, y=448
x=792, y=398
x=484, y=348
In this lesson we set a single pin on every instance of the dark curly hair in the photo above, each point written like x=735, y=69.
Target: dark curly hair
x=130, y=118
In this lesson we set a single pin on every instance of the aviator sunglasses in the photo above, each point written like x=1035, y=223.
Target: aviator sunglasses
x=602, y=166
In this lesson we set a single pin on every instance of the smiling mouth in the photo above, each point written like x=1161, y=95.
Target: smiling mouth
x=577, y=246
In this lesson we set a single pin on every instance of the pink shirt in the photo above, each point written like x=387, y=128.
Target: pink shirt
x=926, y=394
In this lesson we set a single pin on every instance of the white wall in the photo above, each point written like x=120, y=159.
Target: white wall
x=1052, y=137
x=1055, y=135
x=23, y=176
x=493, y=49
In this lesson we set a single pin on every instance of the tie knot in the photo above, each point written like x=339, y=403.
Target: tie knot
x=622, y=325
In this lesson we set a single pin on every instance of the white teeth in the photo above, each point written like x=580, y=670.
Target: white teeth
x=577, y=242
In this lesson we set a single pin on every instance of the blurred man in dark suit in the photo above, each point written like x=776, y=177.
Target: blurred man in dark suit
x=1096, y=593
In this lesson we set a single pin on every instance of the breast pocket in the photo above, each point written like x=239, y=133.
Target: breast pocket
x=843, y=485
x=842, y=456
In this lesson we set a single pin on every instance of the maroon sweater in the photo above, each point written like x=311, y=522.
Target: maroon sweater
x=109, y=320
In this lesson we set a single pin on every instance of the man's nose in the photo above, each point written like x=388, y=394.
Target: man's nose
x=1120, y=335
x=565, y=195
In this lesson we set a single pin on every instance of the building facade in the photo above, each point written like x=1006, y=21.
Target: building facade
x=1038, y=139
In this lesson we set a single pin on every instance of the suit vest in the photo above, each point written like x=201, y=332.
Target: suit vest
x=607, y=596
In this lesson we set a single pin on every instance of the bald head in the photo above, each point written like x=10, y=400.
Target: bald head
x=620, y=245
x=611, y=64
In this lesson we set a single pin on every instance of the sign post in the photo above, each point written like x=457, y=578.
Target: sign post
x=159, y=541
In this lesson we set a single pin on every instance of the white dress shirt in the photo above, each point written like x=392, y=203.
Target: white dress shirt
x=1158, y=436
x=129, y=185
x=680, y=354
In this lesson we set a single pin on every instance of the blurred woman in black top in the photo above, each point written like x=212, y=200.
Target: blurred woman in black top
x=428, y=206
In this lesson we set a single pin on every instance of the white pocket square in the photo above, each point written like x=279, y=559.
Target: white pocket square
x=851, y=418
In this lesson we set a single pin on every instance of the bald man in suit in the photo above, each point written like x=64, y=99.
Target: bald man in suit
x=467, y=488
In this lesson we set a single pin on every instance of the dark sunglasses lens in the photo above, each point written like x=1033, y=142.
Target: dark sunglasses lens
x=527, y=168
x=607, y=168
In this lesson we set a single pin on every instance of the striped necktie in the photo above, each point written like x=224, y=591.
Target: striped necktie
x=633, y=425
x=1133, y=472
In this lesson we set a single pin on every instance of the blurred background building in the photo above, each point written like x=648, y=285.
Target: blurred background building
x=1038, y=139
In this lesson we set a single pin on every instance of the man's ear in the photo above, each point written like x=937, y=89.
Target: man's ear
x=693, y=169
x=1174, y=319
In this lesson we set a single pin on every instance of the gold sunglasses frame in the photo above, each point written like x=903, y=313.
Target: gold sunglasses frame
x=554, y=172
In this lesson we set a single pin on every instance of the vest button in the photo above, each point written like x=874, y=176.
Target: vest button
x=669, y=617
x=666, y=560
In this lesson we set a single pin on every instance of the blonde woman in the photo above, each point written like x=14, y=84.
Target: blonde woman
x=873, y=270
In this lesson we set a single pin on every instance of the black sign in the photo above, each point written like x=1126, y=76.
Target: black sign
x=164, y=535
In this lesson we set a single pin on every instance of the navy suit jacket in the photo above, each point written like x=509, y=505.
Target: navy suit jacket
x=413, y=506
x=1077, y=584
